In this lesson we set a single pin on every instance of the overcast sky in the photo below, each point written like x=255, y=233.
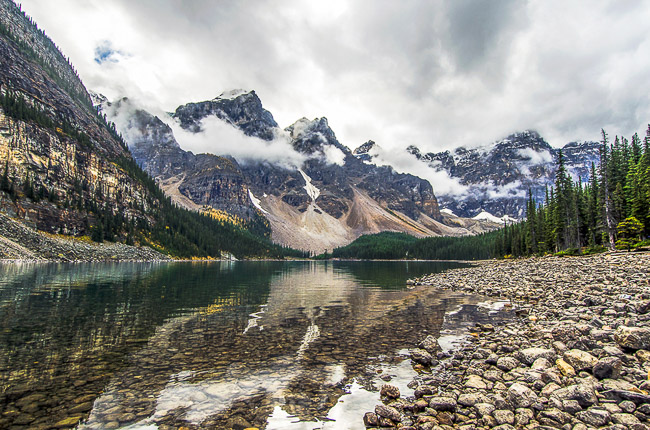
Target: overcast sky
x=437, y=74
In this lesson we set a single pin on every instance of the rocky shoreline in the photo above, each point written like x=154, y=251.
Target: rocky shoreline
x=576, y=356
x=21, y=243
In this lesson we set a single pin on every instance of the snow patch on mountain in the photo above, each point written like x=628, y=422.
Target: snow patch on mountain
x=447, y=211
x=312, y=191
x=232, y=94
x=256, y=202
x=487, y=216
x=533, y=157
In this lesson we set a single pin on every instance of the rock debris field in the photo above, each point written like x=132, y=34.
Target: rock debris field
x=576, y=356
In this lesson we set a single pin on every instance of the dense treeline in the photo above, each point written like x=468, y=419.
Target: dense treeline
x=393, y=246
x=381, y=246
x=610, y=210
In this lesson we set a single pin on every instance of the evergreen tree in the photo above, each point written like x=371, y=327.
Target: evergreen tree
x=629, y=231
x=593, y=208
x=4, y=182
x=606, y=197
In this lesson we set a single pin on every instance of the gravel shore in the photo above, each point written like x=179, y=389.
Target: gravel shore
x=21, y=243
x=576, y=356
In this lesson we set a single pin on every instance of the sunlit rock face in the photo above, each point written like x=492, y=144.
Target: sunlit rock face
x=68, y=157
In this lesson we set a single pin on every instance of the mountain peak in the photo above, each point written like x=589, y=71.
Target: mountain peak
x=363, y=151
x=305, y=127
x=233, y=94
x=237, y=107
x=97, y=98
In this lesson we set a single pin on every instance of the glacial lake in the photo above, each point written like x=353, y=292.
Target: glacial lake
x=275, y=345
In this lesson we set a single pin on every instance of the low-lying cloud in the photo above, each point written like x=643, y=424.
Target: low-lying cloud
x=218, y=137
x=405, y=162
x=532, y=158
x=444, y=184
x=221, y=138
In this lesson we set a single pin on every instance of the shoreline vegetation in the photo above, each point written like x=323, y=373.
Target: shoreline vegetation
x=576, y=354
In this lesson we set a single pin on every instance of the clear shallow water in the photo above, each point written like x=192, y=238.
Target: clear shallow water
x=295, y=345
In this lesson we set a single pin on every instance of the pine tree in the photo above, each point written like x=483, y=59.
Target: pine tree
x=531, y=225
x=4, y=183
x=629, y=231
x=606, y=198
x=593, y=207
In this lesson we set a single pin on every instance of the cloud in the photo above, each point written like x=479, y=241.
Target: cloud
x=534, y=158
x=405, y=162
x=333, y=155
x=437, y=74
x=494, y=191
x=221, y=138
x=104, y=52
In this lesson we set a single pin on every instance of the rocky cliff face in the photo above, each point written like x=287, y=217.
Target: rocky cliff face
x=25, y=32
x=59, y=160
x=498, y=176
x=327, y=199
x=194, y=180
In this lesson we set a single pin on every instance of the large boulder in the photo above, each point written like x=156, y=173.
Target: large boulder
x=388, y=412
x=580, y=360
x=521, y=396
x=443, y=404
x=390, y=391
x=529, y=355
x=584, y=394
x=421, y=356
x=633, y=337
x=594, y=417
x=430, y=344
x=608, y=367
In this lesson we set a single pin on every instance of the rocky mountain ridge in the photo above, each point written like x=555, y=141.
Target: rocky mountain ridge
x=497, y=177
x=327, y=199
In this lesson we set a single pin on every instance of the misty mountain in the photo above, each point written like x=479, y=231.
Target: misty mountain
x=318, y=196
x=495, y=178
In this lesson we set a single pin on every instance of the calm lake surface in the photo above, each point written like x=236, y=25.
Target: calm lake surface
x=276, y=345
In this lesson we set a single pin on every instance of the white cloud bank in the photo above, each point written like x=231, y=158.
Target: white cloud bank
x=438, y=74
x=221, y=138
x=405, y=162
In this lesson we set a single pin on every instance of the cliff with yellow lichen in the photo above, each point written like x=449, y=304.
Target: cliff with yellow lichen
x=60, y=162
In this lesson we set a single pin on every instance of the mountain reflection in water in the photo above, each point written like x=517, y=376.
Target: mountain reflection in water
x=206, y=345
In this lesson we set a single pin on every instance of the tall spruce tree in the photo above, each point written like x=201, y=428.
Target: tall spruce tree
x=606, y=195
